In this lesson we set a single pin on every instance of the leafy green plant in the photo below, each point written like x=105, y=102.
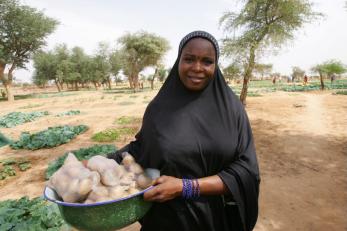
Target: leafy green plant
x=16, y=118
x=81, y=154
x=128, y=120
x=113, y=134
x=23, y=166
x=25, y=214
x=9, y=170
x=8, y=167
x=51, y=137
x=4, y=140
x=341, y=92
x=69, y=113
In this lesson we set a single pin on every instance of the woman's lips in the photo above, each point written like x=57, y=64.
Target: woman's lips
x=196, y=79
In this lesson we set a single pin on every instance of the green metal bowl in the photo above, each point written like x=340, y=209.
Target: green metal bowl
x=102, y=216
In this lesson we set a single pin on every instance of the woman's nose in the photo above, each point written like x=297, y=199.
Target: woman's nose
x=197, y=67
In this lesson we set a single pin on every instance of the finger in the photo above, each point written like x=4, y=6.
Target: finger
x=159, y=180
x=150, y=194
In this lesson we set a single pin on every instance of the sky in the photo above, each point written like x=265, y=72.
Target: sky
x=86, y=23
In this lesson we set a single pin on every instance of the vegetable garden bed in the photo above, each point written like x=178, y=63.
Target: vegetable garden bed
x=16, y=118
x=52, y=137
x=32, y=215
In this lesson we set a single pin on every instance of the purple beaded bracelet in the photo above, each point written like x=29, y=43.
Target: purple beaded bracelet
x=191, y=188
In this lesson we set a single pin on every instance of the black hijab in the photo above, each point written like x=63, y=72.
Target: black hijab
x=189, y=134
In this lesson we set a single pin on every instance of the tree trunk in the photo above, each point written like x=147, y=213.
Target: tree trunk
x=247, y=76
x=131, y=82
x=322, y=87
x=96, y=86
x=109, y=83
x=57, y=84
x=8, y=85
x=136, y=83
x=76, y=85
x=10, y=95
x=153, y=78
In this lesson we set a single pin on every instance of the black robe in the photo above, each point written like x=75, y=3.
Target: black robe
x=189, y=134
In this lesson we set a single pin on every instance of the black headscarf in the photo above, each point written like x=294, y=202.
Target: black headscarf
x=195, y=134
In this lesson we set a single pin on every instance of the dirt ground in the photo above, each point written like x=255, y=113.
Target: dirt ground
x=301, y=142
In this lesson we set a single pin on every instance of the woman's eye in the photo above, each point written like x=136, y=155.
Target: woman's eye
x=208, y=62
x=189, y=60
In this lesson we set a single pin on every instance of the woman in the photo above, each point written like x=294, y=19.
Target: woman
x=196, y=132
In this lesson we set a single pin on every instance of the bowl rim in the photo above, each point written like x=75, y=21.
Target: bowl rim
x=47, y=197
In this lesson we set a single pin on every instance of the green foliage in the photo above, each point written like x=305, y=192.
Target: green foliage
x=52, y=137
x=23, y=30
x=341, y=92
x=7, y=170
x=128, y=120
x=297, y=73
x=81, y=154
x=232, y=71
x=263, y=69
x=15, y=118
x=4, y=140
x=69, y=113
x=330, y=67
x=259, y=25
x=140, y=50
x=113, y=134
x=31, y=215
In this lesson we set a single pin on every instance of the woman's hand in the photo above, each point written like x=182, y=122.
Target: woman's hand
x=166, y=188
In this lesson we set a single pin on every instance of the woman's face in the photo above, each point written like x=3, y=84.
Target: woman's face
x=197, y=64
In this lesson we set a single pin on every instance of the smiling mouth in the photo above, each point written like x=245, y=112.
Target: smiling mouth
x=195, y=79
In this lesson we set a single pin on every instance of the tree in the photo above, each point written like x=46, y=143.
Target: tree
x=102, y=58
x=297, y=73
x=159, y=73
x=22, y=32
x=329, y=68
x=116, y=64
x=45, y=65
x=233, y=71
x=78, y=61
x=140, y=50
x=263, y=69
x=260, y=24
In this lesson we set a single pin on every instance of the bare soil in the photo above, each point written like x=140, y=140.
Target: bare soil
x=301, y=142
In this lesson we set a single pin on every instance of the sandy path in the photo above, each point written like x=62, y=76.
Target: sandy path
x=303, y=163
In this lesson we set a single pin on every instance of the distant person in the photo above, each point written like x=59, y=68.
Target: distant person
x=305, y=80
x=274, y=80
x=289, y=79
x=197, y=133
